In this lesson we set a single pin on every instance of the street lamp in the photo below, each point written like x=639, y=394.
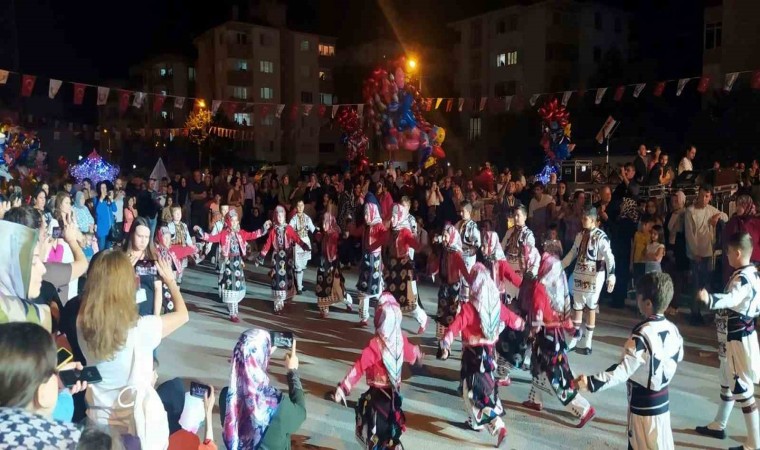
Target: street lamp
x=413, y=67
x=201, y=103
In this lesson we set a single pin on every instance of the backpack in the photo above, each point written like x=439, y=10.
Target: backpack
x=149, y=421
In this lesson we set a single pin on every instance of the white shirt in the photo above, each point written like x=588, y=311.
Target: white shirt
x=101, y=397
x=699, y=233
x=685, y=165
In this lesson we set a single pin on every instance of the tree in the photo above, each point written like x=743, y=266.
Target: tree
x=198, y=124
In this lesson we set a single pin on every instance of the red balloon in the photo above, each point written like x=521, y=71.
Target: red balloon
x=438, y=152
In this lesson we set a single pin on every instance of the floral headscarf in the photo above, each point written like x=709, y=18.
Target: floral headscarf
x=388, y=330
x=451, y=238
x=746, y=202
x=278, y=213
x=371, y=214
x=485, y=297
x=251, y=401
x=165, y=253
x=228, y=219
x=400, y=217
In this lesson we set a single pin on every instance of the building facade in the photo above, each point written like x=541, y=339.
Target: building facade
x=731, y=37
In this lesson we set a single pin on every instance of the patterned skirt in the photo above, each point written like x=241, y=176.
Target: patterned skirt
x=478, y=365
x=331, y=286
x=370, y=280
x=448, y=303
x=512, y=346
x=232, y=280
x=399, y=278
x=283, y=275
x=379, y=419
x=550, y=357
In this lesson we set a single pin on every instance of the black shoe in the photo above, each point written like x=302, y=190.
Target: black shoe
x=696, y=320
x=583, y=351
x=717, y=434
x=299, y=292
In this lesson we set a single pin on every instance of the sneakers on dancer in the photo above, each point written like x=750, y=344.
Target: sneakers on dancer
x=586, y=417
x=234, y=319
x=707, y=431
x=472, y=425
x=583, y=351
x=532, y=405
x=502, y=436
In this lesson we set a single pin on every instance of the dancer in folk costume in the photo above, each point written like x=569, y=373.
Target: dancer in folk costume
x=470, y=236
x=182, y=243
x=480, y=322
x=303, y=226
x=165, y=251
x=398, y=270
x=281, y=238
x=520, y=250
x=550, y=366
x=370, y=282
x=738, y=351
x=491, y=252
x=380, y=420
x=453, y=272
x=649, y=362
x=594, y=254
x=331, y=286
x=233, y=243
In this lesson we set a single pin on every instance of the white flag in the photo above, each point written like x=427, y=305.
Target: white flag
x=335, y=110
x=533, y=99
x=307, y=109
x=3, y=76
x=360, y=110
x=507, y=102
x=566, y=97
x=438, y=102
x=179, y=102
x=215, y=106
x=730, y=80
x=55, y=85
x=681, y=84
x=460, y=104
x=103, y=95
x=138, y=101
x=600, y=95
x=278, y=111
x=638, y=89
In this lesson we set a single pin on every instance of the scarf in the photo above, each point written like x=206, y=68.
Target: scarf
x=17, y=244
x=485, y=297
x=371, y=214
x=492, y=246
x=388, y=331
x=251, y=401
x=747, y=203
x=400, y=218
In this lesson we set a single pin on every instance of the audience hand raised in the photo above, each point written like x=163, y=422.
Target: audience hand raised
x=164, y=269
x=291, y=359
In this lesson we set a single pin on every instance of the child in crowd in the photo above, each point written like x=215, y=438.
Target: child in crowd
x=552, y=243
x=655, y=250
x=183, y=246
x=641, y=239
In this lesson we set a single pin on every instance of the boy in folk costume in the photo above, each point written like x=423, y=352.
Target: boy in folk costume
x=281, y=238
x=649, y=362
x=303, y=225
x=738, y=351
x=399, y=270
x=370, y=282
x=520, y=250
x=182, y=242
x=331, y=286
x=480, y=322
x=470, y=234
x=594, y=254
x=453, y=273
x=379, y=418
x=550, y=366
x=233, y=243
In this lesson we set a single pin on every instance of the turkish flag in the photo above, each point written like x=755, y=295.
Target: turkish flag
x=659, y=89
x=158, y=103
x=264, y=110
x=755, y=82
x=27, y=85
x=704, y=84
x=123, y=101
x=322, y=110
x=619, y=92
x=294, y=112
x=79, y=89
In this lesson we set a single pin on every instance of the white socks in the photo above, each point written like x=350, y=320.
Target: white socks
x=299, y=280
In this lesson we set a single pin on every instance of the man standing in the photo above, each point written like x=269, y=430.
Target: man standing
x=686, y=163
x=148, y=205
x=640, y=164
x=198, y=214
x=605, y=197
x=659, y=173
x=249, y=198
x=623, y=211
x=539, y=210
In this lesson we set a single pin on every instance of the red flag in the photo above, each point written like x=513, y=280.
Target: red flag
x=264, y=110
x=79, y=89
x=659, y=89
x=619, y=92
x=322, y=110
x=123, y=101
x=755, y=83
x=158, y=103
x=704, y=84
x=449, y=104
x=27, y=85
x=294, y=112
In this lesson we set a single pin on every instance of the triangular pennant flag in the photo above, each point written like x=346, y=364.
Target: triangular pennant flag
x=533, y=99
x=449, y=104
x=704, y=84
x=659, y=89
x=27, y=85
x=566, y=97
x=681, y=84
x=728, y=84
x=438, y=102
x=507, y=102
x=123, y=101
x=4, y=76
x=158, y=102
x=599, y=95
x=360, y=110
x=322, y=110
x=619, y=93
x=215, y=106
x=103, y=95
x=637, y=90
x=138, y=100
x=335, y=110
x=755, y=82
x=483, y=103
x=460, y=104
x=79, y=89
x=307, y=109
x=278, y=111
x=179, y=102
x=55, y=85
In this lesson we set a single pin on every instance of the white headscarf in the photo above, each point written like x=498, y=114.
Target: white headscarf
x=485, y=297
x=388, y=330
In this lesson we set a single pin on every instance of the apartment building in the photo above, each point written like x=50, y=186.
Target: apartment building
x=731, y=38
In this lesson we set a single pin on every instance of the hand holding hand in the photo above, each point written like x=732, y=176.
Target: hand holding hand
x=581, y=383
x=340, y=396
x=703, y=296
x=4, y=207
x=267, y=224
x=714, y=219
x=209, y=400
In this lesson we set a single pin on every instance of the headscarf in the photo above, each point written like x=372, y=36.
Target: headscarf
x=17, y=244
x=251, y=401
x=492, y=246
x=747, y=203
x=400, y=217
x=165, y=253
x=485, y=297
x=277, y=221
x=228, y=219
x=451, y=238
x=371, y=214
x=388, y=331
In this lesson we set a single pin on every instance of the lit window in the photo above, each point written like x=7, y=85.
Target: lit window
x=162, y=71
x=304, y=46
x=165, y=114
x=266, y=66
x=243, y=119
x=267, y=93
x=512, y=58
x=240, y=92
x=325, y=99
x=241, y=65
x=267, y=120
x=191, y=73
x=326, y=50
x=474, y=128
x=501, y=60
x=324, y=74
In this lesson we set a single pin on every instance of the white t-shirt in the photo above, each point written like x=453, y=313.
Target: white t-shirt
x=101, y=397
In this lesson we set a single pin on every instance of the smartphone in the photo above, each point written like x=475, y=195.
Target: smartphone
x=90, y=374
x=146, y=267
x=281, y=339
x=199, y=390
x=57, y=232
x=64, y=357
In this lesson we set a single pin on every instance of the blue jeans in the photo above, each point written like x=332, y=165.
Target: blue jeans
x=103, y=243
x=701, y=273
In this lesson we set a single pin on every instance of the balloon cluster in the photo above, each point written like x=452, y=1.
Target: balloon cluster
x=95, y=168
x=353, y=138
x=555, y=137
x=395, y=114
x=20, y=149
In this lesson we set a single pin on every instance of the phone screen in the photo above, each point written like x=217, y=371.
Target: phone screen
x=56, y=232
x=90, y=374
x=282, y=339
x=64, y=357
x=199, y=390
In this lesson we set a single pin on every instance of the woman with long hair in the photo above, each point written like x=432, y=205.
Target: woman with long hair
x=143, y=256
x=116, y=340
x=235, y=196
x=105, y=209
x=130, y=212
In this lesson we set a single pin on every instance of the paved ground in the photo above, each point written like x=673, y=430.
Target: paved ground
x=327, y=348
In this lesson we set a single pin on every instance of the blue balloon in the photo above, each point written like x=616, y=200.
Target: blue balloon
x=406, y=119
x=424, y=154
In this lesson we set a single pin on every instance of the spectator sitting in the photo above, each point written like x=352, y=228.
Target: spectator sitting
x=185, y=414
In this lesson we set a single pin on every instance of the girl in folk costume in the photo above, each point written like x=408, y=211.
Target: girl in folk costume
x=370, y=283
x=331, y=286
x=166, y=253
x=480, y=322
x=303, y=225
x=399, y=271
x=453, y=272
x=182, y=243
x=282, y=237
x=491, y=251
x=515, y=242
x=470, y=237
x=232, y=247
x=550, y=366
x=379, y=418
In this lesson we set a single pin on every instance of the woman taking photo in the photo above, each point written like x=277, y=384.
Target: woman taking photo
x=235, y=196
x=142, y=254
x=105, y=209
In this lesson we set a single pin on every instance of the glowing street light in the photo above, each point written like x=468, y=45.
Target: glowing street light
x=412, y=64
x=201, y=103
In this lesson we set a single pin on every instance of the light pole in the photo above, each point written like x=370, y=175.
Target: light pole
x=414, y=66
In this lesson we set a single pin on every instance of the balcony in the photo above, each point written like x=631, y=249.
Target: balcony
x=239, y=78
x=239, y=51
